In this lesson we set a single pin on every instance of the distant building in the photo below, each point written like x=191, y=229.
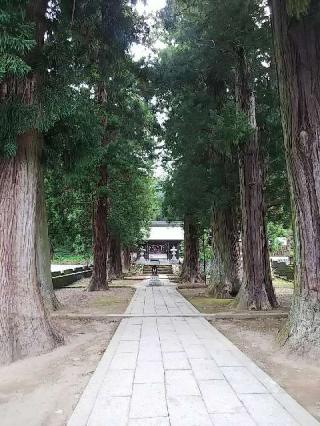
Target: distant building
x=164, y=237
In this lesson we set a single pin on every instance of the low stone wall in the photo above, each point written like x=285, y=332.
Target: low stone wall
x=282, y=270
x=69, y=276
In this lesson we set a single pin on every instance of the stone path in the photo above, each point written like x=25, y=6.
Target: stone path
x=175, y=370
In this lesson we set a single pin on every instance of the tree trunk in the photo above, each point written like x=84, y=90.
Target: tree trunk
x=225, y=271
x=100, y=239
x=43, y=258
x=115, y=262
x=190, y=269
x=297, y=51
x=100, y=233
x=126, y=260
x=25, y=328
x=256, y=291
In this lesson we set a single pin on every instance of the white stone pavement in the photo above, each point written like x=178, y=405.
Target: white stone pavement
x=179, y=371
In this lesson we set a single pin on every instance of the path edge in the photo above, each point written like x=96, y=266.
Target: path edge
x=84, y=407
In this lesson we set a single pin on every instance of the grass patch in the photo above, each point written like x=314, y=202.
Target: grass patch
x=69, y=259
x=205, y=303
x=209, y=305
x=281, y=283
x=106, y=301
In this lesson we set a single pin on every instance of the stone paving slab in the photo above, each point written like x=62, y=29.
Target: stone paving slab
x=179, y=370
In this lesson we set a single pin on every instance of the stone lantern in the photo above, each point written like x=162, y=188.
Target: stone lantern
x=174, y=252
x=141, y=259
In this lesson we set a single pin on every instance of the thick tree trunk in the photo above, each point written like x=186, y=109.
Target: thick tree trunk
x=297, y=51
x=256, y=291
x=25, y=328
x=100, y=239
x=225, y=271
x=115, y=261
x=190, y=269
x=43, y=258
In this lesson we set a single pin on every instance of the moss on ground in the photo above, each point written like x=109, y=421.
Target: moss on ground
x=106, y=301
x=209, y=305
x=281, y=283
x=205, y=303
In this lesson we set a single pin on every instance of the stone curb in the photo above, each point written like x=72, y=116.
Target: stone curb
x=208, y=317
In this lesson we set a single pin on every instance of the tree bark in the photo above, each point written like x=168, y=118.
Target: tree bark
x=43, y=258
x=297, y=51
x=25, y=328
x=256, y=291
x=225, y=271
x=100, y=239
x=115, y=261
x=100, y=233
x=190, y=268
x=126, y=260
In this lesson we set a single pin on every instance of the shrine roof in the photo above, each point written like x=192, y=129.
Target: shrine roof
x=166, y=231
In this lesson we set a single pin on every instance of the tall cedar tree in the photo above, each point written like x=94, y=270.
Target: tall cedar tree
x=296, y=27
x=100, y=234
x=256, y=291
x=245, y=45
x=105, y=31
x=25, y=328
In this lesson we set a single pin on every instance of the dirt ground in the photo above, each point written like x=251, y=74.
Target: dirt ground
x=77, y=300
x=43, y=390
x=300, y=377
x=128, y=281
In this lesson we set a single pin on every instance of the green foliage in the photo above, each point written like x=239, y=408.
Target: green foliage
x=132, y=207
x=16, y=38
x=274, y=232
x=229, y=128
x=27, y=104
x=75, y=136
x=15, y=118
x=69, y=214
x=63, y=257
x=74, y=148
x=159, y=198
x=16, y=41
x=203, y=129
x=128, y=157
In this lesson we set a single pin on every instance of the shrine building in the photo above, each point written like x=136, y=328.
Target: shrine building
x=164, y=242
